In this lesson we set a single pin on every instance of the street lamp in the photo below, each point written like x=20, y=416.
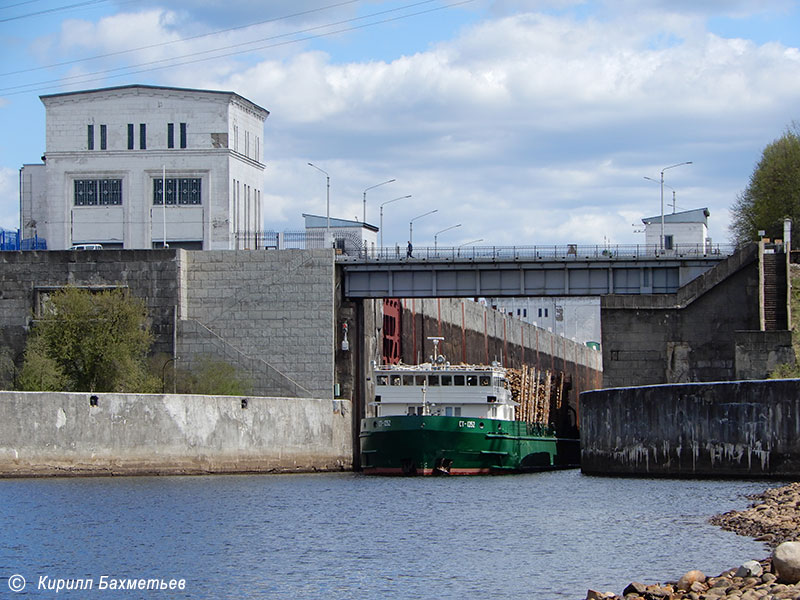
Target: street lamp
x=468, y=244
x=411, y=223
x=328, y=204
x=662, y=197
x=364, y=219
x=436, y=235
x=674, y=201
x=387, y=202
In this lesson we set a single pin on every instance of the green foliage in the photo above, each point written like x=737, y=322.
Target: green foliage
x=7, y=369
x=89, y=342
x=773, y=192
x=214, y=378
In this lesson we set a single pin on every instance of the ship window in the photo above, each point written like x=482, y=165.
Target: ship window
x=412, y=410
x=383, y=380
x=408, y=380
x=493, y=411
x=485, y=380
x=420, y=380
x=395, y=380
x=447, y=380
x=448, y=411
x=377, y=398
x=433, y=380
x=458, y=380
x=457, y=411
x=472, y=380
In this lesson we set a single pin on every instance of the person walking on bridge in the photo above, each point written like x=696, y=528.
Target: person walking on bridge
x=409, y=250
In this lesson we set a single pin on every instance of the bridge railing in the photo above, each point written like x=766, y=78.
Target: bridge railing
x=565, y=252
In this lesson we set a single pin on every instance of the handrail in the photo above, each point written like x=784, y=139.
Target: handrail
x=564, y=252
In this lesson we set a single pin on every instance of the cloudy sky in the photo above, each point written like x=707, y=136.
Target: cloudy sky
x=524, y=121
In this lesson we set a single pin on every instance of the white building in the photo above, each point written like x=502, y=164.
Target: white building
x=351, y=237
x=110, y=153
x=574, y=317
x=681, y=230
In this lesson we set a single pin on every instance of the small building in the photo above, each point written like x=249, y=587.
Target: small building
x=350, y=237
x=138, y=166
x=687, y=229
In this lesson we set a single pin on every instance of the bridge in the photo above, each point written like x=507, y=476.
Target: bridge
x=514, y=271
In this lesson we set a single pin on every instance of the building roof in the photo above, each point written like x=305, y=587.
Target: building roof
x=156, y=88
x=697, y=215
x=316, y=221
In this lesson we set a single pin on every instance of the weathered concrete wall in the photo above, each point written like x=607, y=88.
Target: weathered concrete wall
x=682, y=337
x=477, y=334
x=269, y=313
x=152, y=275
x=272, y=307
x=47, y=433
x=729, y=429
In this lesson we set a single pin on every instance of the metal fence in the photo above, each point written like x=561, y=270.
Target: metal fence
x=565, y=252
x=12, y=240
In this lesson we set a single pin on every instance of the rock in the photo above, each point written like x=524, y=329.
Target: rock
x=786, y=562
x=635, y=588
x=752, y=568
x=698, y=587
x=595, y=595
x=685, y=582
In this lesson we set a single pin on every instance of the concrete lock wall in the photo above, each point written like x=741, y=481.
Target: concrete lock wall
x=53, y=433
x=269, y=313
x=730, y=429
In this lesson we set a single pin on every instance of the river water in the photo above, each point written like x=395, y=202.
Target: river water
x=537, y=536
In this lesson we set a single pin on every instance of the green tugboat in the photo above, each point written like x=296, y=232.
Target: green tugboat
x=438, y=418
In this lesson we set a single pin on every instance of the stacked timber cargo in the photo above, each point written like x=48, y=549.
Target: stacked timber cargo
x=538, y=393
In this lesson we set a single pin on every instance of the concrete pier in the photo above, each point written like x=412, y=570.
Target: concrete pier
x=729, y=429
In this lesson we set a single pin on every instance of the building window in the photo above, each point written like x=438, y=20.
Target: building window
x=103, y=137
x=130, y=136
x=258, y=149
x=668, y=242
x=98, y=192
x=142, y=136
x=183, y=135
x=170, y=135
x=90, y=137
x=186, y=190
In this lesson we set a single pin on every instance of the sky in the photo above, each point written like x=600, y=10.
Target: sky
x=520, y=122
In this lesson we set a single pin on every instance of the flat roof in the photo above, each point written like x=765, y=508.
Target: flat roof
x=151, y=87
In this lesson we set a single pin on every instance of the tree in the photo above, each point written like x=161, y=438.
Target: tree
x=773, y=192
x=214, y=378
x=89, y=342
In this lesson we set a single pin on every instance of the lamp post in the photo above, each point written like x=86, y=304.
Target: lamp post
x=436, y=235
x=674, y=201
x=364, y=219
x=411, y=223
x=327, y=203
x=468, y=244
x=662, y=197
x=388, y=202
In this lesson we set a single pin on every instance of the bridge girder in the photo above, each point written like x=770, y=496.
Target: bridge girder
x=517, y=278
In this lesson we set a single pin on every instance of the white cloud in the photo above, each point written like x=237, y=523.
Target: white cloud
x=528, y=128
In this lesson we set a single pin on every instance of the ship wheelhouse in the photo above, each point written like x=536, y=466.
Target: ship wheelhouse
x=443, y=390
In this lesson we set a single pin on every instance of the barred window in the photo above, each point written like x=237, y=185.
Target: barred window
x=185, y=190
x=98, y=192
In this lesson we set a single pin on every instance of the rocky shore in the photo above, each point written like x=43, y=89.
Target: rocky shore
x=774, y=518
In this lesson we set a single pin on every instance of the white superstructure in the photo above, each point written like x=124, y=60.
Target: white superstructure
x=443, y=389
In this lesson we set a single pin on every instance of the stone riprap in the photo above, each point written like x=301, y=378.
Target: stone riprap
x=774, y=518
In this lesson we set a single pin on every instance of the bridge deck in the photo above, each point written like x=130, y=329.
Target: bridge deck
x=525, y=271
